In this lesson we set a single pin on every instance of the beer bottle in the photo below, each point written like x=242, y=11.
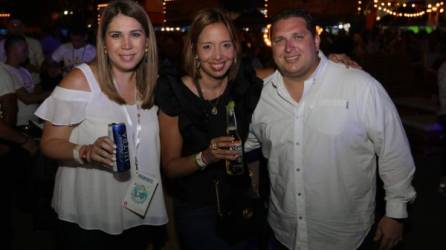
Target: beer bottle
x=234, y=167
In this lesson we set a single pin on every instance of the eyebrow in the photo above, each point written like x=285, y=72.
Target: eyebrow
x=120, y=31
x=292, y=34
x=206, y=42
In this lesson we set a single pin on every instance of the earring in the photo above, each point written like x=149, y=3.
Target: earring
x=146, y=55
x=197, y=62
x=235, y=60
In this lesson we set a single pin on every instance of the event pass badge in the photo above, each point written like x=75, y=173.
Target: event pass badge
x=140, y=194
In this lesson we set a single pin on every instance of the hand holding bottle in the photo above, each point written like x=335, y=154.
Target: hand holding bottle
x=220, y=149
x=234, y=166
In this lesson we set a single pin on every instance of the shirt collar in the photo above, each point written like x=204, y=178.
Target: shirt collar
x=320, y=68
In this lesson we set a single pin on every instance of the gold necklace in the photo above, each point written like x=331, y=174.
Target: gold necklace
x=214, y=104
x=214, y=109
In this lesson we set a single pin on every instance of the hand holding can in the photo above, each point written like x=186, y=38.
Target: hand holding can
x=102, y=151
x=118, y=134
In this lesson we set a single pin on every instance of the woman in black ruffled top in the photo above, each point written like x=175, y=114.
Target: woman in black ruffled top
x=193, y=124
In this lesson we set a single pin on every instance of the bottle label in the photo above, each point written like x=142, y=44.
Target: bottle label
x=235, y=167
x=237, y=147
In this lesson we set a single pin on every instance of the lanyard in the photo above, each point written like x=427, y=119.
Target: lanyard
x=138, y=128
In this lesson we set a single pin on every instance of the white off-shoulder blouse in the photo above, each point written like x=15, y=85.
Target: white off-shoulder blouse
x=92, y=196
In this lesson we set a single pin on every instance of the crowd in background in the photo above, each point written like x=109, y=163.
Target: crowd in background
x=416, y=49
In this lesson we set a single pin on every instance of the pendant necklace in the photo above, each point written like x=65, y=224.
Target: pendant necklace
x=214, y=104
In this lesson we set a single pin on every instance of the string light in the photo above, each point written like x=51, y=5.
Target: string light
x=266, y=29
x=99, y=8
x=429, y=8
x=266, y=39
x=170, y=29
x=319, y=30
x=5, y=15
x=165, y=2
x=266, y=8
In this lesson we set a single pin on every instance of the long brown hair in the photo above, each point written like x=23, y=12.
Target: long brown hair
x=202, y=19
x=146, y=70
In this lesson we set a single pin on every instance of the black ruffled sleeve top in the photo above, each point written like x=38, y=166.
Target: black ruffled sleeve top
x=198, y=126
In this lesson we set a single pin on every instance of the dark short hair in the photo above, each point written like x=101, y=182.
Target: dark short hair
x=78, y=30
x=12, y=40
x=295, y=12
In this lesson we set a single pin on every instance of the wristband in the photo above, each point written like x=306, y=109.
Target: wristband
x=199, y=161
x=76, y=155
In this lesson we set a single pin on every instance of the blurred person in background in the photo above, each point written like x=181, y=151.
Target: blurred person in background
x=75, y=52
x=28, y=90
x=35, y=56
x=10, y=141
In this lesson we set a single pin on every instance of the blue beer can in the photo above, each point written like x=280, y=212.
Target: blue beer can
x=118, y=134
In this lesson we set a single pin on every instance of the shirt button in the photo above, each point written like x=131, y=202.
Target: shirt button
x=297, y=143
x=297, y=169
x=300, y=217
x=299, y=194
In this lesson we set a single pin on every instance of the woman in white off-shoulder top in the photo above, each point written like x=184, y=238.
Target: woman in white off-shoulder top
x=97, y=207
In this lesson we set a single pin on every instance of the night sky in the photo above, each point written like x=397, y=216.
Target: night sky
x=44, y=12
x=40, y=12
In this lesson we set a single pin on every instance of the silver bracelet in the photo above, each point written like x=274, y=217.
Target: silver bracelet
x=76, y=155
x=199, y=161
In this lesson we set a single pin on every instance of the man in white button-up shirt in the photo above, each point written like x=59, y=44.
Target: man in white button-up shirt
x=323, y=128
x=75, y=52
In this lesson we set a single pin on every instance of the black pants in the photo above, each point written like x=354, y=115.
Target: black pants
x=71, y=237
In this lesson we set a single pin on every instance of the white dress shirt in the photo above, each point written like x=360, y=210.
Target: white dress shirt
x=35, y=52
x=72, y=57
x=322, y=154
x=22, y=78
x=6, y=85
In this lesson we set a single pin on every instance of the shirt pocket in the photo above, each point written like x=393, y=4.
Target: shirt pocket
x=329, y=116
